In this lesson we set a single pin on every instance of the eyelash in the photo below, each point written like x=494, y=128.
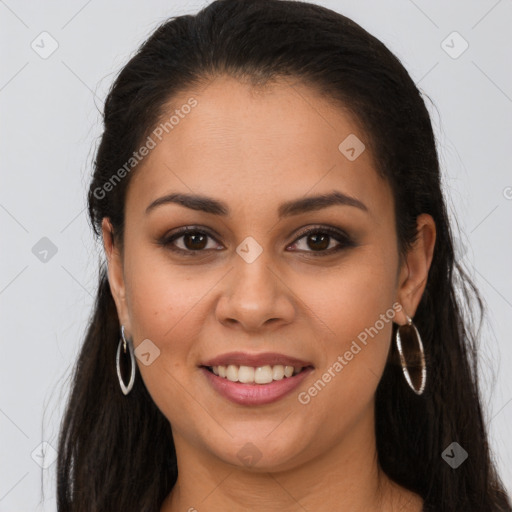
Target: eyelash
x=344, y=240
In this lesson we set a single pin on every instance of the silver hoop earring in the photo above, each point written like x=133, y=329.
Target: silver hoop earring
x=125, y=389
x=420, y=370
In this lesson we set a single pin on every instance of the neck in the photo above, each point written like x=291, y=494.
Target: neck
x=346, y=477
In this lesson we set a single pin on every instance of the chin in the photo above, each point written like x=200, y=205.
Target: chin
x=261, y=454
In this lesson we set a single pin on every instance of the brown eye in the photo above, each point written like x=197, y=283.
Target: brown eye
x=195, y=241
x=190, y=242
x=318, y=241
x=322, y=241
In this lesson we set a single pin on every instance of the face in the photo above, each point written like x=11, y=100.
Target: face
x=268, y=275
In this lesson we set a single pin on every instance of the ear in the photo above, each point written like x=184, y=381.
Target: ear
x=115, y=272
x=413, y=273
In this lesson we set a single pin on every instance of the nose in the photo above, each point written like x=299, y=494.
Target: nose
x=255, y=297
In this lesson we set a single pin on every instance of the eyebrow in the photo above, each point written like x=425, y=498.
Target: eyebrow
x=287, y=209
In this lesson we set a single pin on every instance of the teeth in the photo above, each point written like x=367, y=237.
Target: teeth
x=278, y=372
x=245, y=374
x=263, y=375
x=259, y=375
x=232, y=373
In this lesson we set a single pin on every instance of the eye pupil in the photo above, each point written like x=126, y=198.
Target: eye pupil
x=321, y=241
x=195, y=239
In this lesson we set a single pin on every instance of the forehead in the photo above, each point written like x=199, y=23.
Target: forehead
x=269, y=144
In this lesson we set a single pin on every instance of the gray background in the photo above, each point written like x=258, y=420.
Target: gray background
x=50, y=125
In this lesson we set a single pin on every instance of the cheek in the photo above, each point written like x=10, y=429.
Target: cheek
x=354, y=308
x=164, y=302
x=351, y=297
x=167, y=307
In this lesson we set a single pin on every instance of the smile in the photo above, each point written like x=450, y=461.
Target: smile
x=255, y=379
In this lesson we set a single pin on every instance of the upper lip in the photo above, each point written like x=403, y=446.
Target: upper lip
x=255, y=360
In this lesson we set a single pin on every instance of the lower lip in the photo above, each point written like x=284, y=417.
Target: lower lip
x=255, y=394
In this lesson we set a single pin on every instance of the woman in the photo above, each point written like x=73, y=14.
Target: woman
x=278, y=325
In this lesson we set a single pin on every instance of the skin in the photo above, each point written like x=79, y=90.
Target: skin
x=254, y=149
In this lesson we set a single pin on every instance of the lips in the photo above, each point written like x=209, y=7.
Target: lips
x=255, y=379
x=255, y=360
x=255, y=394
